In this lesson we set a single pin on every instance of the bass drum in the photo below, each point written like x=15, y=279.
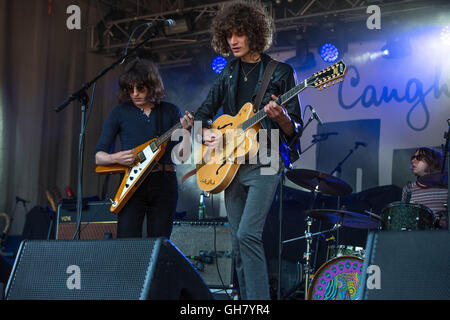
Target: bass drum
x=337, y=279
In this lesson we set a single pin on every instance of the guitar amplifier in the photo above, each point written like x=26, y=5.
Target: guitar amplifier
x=207, y=245
x=97, y=222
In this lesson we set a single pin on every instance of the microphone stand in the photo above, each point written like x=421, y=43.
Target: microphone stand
x=81, y=96
x=280, y=208
x=338, y=169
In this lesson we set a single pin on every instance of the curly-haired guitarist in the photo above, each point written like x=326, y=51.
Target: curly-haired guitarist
x=245, y=30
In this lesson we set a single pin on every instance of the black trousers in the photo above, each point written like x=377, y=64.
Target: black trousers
x=155, y=199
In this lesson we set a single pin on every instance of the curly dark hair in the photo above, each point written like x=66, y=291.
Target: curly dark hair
x=247, y=17
x=432, y=157
x=141, y=71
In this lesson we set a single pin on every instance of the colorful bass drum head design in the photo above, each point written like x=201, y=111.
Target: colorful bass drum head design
x=337, y=279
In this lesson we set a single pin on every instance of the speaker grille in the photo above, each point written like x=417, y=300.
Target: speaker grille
x=413, y=265
x=112, y=269
x=96, y=222
x=195, y=238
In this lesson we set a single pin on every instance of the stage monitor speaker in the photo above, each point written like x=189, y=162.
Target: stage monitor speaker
x=97, y=222
x=120, y=269
x=406, y=265
x=202, y=242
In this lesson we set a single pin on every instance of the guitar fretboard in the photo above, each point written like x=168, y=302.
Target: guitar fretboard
x=283, y=99
x=166, y=135
x=259, y=116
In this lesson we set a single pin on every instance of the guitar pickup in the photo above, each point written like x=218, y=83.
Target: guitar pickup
x=153, y=147
x=141, y=157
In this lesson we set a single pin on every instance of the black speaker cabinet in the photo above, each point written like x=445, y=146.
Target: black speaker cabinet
x=406, y=265
x=121, y=269
x=202, y=242
x=97, y=222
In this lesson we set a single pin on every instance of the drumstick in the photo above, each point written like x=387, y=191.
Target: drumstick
x=372, y=214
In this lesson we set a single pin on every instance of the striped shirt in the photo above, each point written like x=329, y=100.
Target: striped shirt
x=433, y=198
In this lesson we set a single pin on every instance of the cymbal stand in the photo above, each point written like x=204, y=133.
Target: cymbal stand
x=307, y=255
x=338, y=170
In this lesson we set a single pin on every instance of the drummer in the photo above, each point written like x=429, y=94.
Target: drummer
x=426, y=161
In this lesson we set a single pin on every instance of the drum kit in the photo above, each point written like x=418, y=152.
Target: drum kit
x=338, y=278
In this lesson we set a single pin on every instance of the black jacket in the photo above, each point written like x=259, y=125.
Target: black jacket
x=223, y=94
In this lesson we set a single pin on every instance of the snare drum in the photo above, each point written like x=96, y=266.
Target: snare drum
x=337, y=279
x=402, y=216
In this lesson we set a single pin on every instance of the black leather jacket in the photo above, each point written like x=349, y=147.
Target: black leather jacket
x=223, y=94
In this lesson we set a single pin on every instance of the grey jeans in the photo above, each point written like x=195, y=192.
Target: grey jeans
x=248, y=200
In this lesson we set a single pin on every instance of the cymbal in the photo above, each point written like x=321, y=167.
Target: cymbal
x=436, y=180
x=345, y=218
x=325, y=183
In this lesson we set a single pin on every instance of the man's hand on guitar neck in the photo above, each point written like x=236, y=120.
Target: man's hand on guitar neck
x=124, y=158
x=279, y=114
x=187, y=122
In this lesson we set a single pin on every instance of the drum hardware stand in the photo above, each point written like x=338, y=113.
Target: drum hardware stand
x=307, y=255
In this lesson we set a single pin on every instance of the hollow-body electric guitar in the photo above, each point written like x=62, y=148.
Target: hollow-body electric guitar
x=217, y=168
x=146, y=156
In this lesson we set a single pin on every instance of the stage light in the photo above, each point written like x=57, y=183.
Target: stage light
x=329, y=52
x=445, y=36
x=218, y=64
x=396, y=47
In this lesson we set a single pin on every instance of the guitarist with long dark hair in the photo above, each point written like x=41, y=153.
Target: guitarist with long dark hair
x=140, y=116
x=245, y=30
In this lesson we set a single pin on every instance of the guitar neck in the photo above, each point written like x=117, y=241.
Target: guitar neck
x=282, y=100
x=285, y=98
x=166, y=135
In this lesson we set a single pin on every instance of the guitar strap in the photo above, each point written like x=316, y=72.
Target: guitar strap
x=265, y=82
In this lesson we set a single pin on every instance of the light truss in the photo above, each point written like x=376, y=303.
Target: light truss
x=111, y=35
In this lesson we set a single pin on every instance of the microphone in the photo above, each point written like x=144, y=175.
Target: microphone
x=162, y=23
x=359, y=143
x=315, y=115
x=408, y=192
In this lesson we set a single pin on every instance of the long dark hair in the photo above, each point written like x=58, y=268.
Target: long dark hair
x=432, y=157
x=247, y=17
x=141, y=71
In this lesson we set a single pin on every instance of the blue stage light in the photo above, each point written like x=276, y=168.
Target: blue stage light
x=218, y=64
x=329, y=52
